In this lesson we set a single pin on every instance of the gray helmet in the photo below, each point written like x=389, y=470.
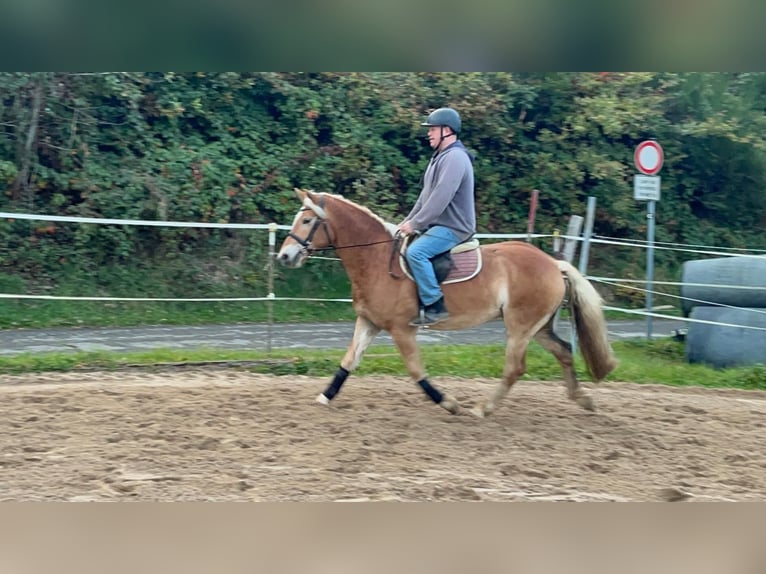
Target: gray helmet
x=444, y=117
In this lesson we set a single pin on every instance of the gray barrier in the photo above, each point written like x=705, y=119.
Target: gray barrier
x=736, y=281
x=722, y=346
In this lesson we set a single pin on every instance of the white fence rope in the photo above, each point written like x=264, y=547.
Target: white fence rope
x=684, y=319
x=644, y=243
x=272, y=227
x=161, y=299
x=616, y=283
x=618, y=280
x=141, y=222
x=662, y=248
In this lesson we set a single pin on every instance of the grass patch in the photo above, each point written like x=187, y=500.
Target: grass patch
x=40, y=314
x=660, y=362
x=663, y=362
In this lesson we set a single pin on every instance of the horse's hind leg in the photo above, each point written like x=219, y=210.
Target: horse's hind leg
x=515, y=365
x=408, y=348
x=364, y=333
x=562, y=350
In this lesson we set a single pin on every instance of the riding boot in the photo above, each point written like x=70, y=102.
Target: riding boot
x=431, y=314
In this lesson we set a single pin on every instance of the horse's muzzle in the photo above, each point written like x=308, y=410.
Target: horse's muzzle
x=292, y=256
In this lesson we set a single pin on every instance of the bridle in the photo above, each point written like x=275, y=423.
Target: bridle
x=319, y=221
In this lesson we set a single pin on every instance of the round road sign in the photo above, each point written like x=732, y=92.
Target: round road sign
x=648, y=157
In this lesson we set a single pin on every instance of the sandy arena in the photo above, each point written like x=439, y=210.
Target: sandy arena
x=230, y=435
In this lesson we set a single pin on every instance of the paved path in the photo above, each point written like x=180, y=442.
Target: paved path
x=256, y=336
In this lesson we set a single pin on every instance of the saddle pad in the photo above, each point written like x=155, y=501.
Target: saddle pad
x=465, y=265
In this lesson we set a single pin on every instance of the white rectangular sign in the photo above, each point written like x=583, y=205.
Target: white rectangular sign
x=646, y=187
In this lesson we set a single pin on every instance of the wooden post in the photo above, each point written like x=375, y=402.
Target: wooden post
x=532, y=213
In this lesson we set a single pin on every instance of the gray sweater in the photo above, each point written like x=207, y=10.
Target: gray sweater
x=447, y=197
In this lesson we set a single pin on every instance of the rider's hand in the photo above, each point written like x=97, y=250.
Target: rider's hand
x=405, y=227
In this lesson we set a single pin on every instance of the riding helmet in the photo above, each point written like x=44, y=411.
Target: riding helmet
x=444, y=117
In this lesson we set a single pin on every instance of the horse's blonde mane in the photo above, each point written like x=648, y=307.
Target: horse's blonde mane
x=388, y=226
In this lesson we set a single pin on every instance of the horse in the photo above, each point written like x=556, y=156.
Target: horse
x=518, y=282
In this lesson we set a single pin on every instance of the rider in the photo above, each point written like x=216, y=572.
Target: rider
x=444, y=213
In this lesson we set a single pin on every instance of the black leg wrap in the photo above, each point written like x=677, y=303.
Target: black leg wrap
x=337, y=383
x=432, y=393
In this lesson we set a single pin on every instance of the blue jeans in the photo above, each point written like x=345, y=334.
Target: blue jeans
x=436, y=240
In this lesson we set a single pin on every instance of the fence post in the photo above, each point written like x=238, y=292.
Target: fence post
x=270, y=302
x=584, y=252
x=650, y=212
x=570, y=243
x=567, y=253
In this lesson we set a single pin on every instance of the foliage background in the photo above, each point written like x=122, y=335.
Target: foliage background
x=230, y=147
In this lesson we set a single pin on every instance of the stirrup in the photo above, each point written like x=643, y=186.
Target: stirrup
x=427, y=319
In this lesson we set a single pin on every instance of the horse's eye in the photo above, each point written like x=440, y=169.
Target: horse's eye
x=306, y=221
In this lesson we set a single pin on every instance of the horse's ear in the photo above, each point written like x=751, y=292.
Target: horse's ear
x=300, y=193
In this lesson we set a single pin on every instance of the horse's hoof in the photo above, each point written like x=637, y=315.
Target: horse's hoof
x=450, y=404
x=322, y=400
x=478, y=412
x=586, y=402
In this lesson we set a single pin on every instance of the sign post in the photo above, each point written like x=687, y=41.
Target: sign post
x=648, y=158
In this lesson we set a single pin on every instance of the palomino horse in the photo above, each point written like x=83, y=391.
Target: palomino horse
x=517, y=282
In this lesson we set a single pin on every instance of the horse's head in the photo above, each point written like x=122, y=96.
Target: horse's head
x=310, y=230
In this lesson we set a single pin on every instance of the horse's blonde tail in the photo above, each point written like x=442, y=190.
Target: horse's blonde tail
x=585, y=306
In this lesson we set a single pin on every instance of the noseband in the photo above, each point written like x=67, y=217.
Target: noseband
x=318, y=222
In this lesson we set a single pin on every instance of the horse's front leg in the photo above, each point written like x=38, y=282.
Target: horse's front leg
x=408, y=348
x=364, y=333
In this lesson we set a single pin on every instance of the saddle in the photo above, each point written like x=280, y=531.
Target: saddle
x=461, y=263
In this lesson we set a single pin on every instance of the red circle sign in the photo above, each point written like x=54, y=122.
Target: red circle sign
x=648, y=157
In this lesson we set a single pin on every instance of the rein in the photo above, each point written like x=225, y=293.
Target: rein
x=393, y=256
x=394, y=251
x=352, y=246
